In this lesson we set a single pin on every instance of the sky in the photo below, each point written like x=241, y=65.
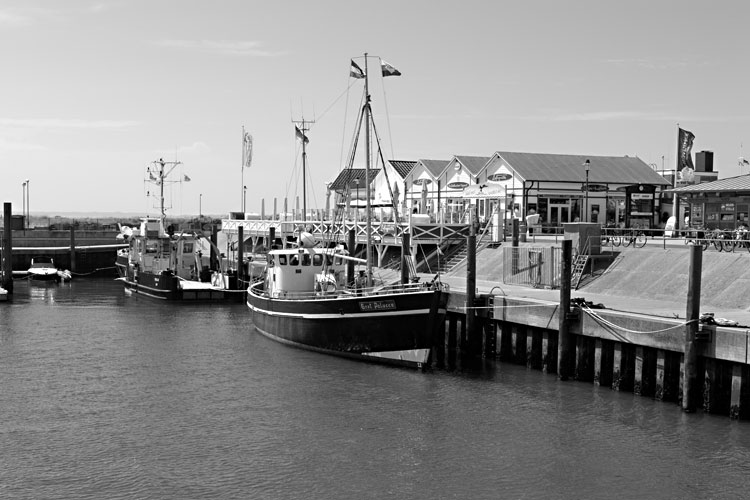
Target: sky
x=92, y=92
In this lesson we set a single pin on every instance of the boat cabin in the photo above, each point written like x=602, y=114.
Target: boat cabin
x=156, y=251
x=306, y=271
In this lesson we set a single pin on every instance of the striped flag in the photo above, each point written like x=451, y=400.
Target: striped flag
x=355, y=71
x=388, y=70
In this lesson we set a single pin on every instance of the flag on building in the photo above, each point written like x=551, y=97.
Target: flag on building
x=356, y=71
x=187, y=179
x=247, y=150
x=388, y=70
x=684, y=147
x=300, y=135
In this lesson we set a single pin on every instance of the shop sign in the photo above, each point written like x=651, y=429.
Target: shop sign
x=595, y=187
x=420, y=182
x=499, y=177
x=641, y=196
x=457, y=185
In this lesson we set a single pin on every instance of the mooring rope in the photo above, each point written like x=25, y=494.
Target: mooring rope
x=599, y=319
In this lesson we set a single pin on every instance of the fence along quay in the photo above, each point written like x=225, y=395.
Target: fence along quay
x=679, y=360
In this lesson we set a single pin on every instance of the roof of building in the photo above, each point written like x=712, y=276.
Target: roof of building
x=402, y=167
x=349, y=175
x=434, y=167
x=569, y=168
x=473, y=164
x=738, y=183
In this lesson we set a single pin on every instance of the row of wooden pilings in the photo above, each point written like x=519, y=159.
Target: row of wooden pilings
x=715, y=386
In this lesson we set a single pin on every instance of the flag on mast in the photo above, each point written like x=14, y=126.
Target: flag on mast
x=388, y=70
x=300, y=135
x=355, y=71
x=684, y=147
x=247, y=148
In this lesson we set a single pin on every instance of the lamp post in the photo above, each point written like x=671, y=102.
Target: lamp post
x=587, y=165
x=23, y=200
x=200, y=206
x=28, y=204
x=244, y=200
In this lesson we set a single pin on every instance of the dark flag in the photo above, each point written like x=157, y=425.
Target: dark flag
x=684, y=146
x=355, y=71
x=300, y=135
x=388, y=70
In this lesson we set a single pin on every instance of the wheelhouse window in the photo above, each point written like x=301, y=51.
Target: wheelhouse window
x=294, y=260
x=282, y=260
x=306, y=260
x=318, y=260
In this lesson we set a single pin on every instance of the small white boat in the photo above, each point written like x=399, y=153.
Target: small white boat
x=3, y=294
x=43, y=269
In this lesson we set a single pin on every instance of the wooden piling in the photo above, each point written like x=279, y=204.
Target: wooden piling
x=351, y=245
x=691, y=386
x=471, y=288
x=240, y=257
x=73, y=250
x=405, y=254
x=564, y=350
x=7, y=247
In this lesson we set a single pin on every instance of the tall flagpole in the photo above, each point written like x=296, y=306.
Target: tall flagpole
x=242, y=178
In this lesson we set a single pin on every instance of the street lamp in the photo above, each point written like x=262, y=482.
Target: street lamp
x=200, y=203
x=28, y=204
x=23, y=200
x=587, y=165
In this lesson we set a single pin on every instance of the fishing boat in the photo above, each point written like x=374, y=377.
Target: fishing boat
x=43, y=269
x=164, y=263
x=316, y=296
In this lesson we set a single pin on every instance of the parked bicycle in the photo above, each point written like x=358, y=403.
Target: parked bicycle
x=629, y=236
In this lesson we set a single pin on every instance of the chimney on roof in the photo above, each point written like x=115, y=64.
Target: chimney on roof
x=704, y=161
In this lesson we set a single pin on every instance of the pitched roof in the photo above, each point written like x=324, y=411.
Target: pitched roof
x=473, y=164
x=738, y=183
x=402, y=167
x=602, y=169
x=435, y=167
x=348, y=176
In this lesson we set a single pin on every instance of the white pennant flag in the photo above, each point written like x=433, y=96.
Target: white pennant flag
x=247, y=142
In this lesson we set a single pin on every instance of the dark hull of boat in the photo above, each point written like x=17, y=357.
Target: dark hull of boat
x=394, y=328
x=165, y=287
x=44, y=277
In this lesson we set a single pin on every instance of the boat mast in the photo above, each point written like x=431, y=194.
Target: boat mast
x=368, y=226
x=302, y=128
x=160, y=165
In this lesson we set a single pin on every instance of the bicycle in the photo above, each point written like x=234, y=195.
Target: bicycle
x=635, y=237
x=737, y=238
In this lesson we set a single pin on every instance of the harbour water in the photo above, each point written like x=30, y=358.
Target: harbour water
x=111, y=396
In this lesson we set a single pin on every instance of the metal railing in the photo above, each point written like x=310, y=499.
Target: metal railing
x=538, y=267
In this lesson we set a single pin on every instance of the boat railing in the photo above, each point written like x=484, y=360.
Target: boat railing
x=346, y=292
